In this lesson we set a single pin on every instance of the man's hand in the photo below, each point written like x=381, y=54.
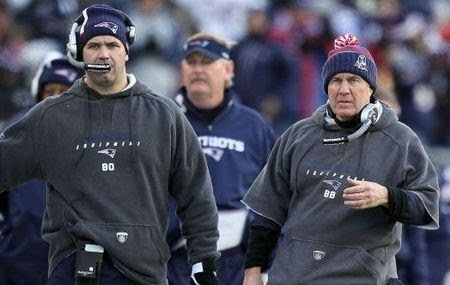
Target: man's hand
x=365, y=194
x=204, y=273
x=253, y=276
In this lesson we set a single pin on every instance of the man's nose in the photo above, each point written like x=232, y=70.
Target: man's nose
x=197, y=66
x=344, y=88
x=103, y=52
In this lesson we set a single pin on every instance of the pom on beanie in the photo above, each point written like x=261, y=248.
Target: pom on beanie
x=349, y=56
x=101, y=20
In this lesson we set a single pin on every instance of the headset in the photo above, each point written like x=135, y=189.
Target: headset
x=74, y=54
x=369, y=115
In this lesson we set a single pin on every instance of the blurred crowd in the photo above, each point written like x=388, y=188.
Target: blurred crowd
x=280, y=48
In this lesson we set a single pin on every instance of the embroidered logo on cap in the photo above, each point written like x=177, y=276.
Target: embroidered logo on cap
x=202, y=43
x=361, y=62
x=67, y=73
x=109, y=25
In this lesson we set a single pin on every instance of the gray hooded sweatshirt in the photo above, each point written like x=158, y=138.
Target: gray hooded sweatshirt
x=110, y=163
x=301, y=188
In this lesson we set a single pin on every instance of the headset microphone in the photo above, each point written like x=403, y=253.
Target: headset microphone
x=92, y=67
x=369, y=116
x=97, y=67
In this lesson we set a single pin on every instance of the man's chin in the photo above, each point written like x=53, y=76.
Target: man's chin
x=199, y=89
x=346, y=113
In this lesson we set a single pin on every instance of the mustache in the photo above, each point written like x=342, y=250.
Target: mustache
x=199, y=78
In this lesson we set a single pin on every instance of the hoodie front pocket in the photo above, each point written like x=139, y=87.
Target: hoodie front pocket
x=307, y=262
x=139, y=248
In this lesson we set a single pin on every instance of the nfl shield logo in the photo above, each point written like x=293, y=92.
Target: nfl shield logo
x=318, y=254
x=122, y=237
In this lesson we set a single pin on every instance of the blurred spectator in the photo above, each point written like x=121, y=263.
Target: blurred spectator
x=409, y=60
x=438, y=241
x=57, y=14
x=439, y=79
x=346, y=18
x=424, y=256
x=225, y=18
x=163, y=27
x=412, y=259
x=12, y=39
x=303, y=31
x=266, y=77
x=438, y=250
x=310, y=36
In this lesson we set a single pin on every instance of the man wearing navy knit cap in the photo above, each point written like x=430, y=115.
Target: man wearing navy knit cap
x=112, y=152
x=53, y=78
x=101, y=19
x=341, y=183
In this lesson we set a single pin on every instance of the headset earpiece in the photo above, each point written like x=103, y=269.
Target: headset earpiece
x=131, y=34
x=131, y=29
x=72, y=44
x=371, y=113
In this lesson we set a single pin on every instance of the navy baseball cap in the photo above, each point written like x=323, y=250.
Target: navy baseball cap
x=207, y=47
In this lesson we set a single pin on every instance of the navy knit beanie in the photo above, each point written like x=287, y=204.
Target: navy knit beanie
x=349, y=56
x=102, y=20
x=54, y=69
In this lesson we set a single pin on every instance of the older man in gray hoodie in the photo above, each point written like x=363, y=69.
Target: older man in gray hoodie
x=341, y=183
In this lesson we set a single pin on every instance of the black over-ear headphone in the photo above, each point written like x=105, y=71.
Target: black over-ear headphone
x=75, y=55
x=369, y=115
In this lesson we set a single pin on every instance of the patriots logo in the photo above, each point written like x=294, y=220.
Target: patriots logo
x=201, y=43
x=214, y=153
x=334, y=183
x=69, y=74
x=361, y=62
x=108, y=151
x=109, y=25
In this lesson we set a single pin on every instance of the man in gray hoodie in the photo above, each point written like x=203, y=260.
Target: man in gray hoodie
x=111, y=152
x=341, y=183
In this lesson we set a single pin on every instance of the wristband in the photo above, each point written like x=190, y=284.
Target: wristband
x=204, y=273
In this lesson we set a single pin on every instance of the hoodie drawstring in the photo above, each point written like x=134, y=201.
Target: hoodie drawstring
x=132, y=131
